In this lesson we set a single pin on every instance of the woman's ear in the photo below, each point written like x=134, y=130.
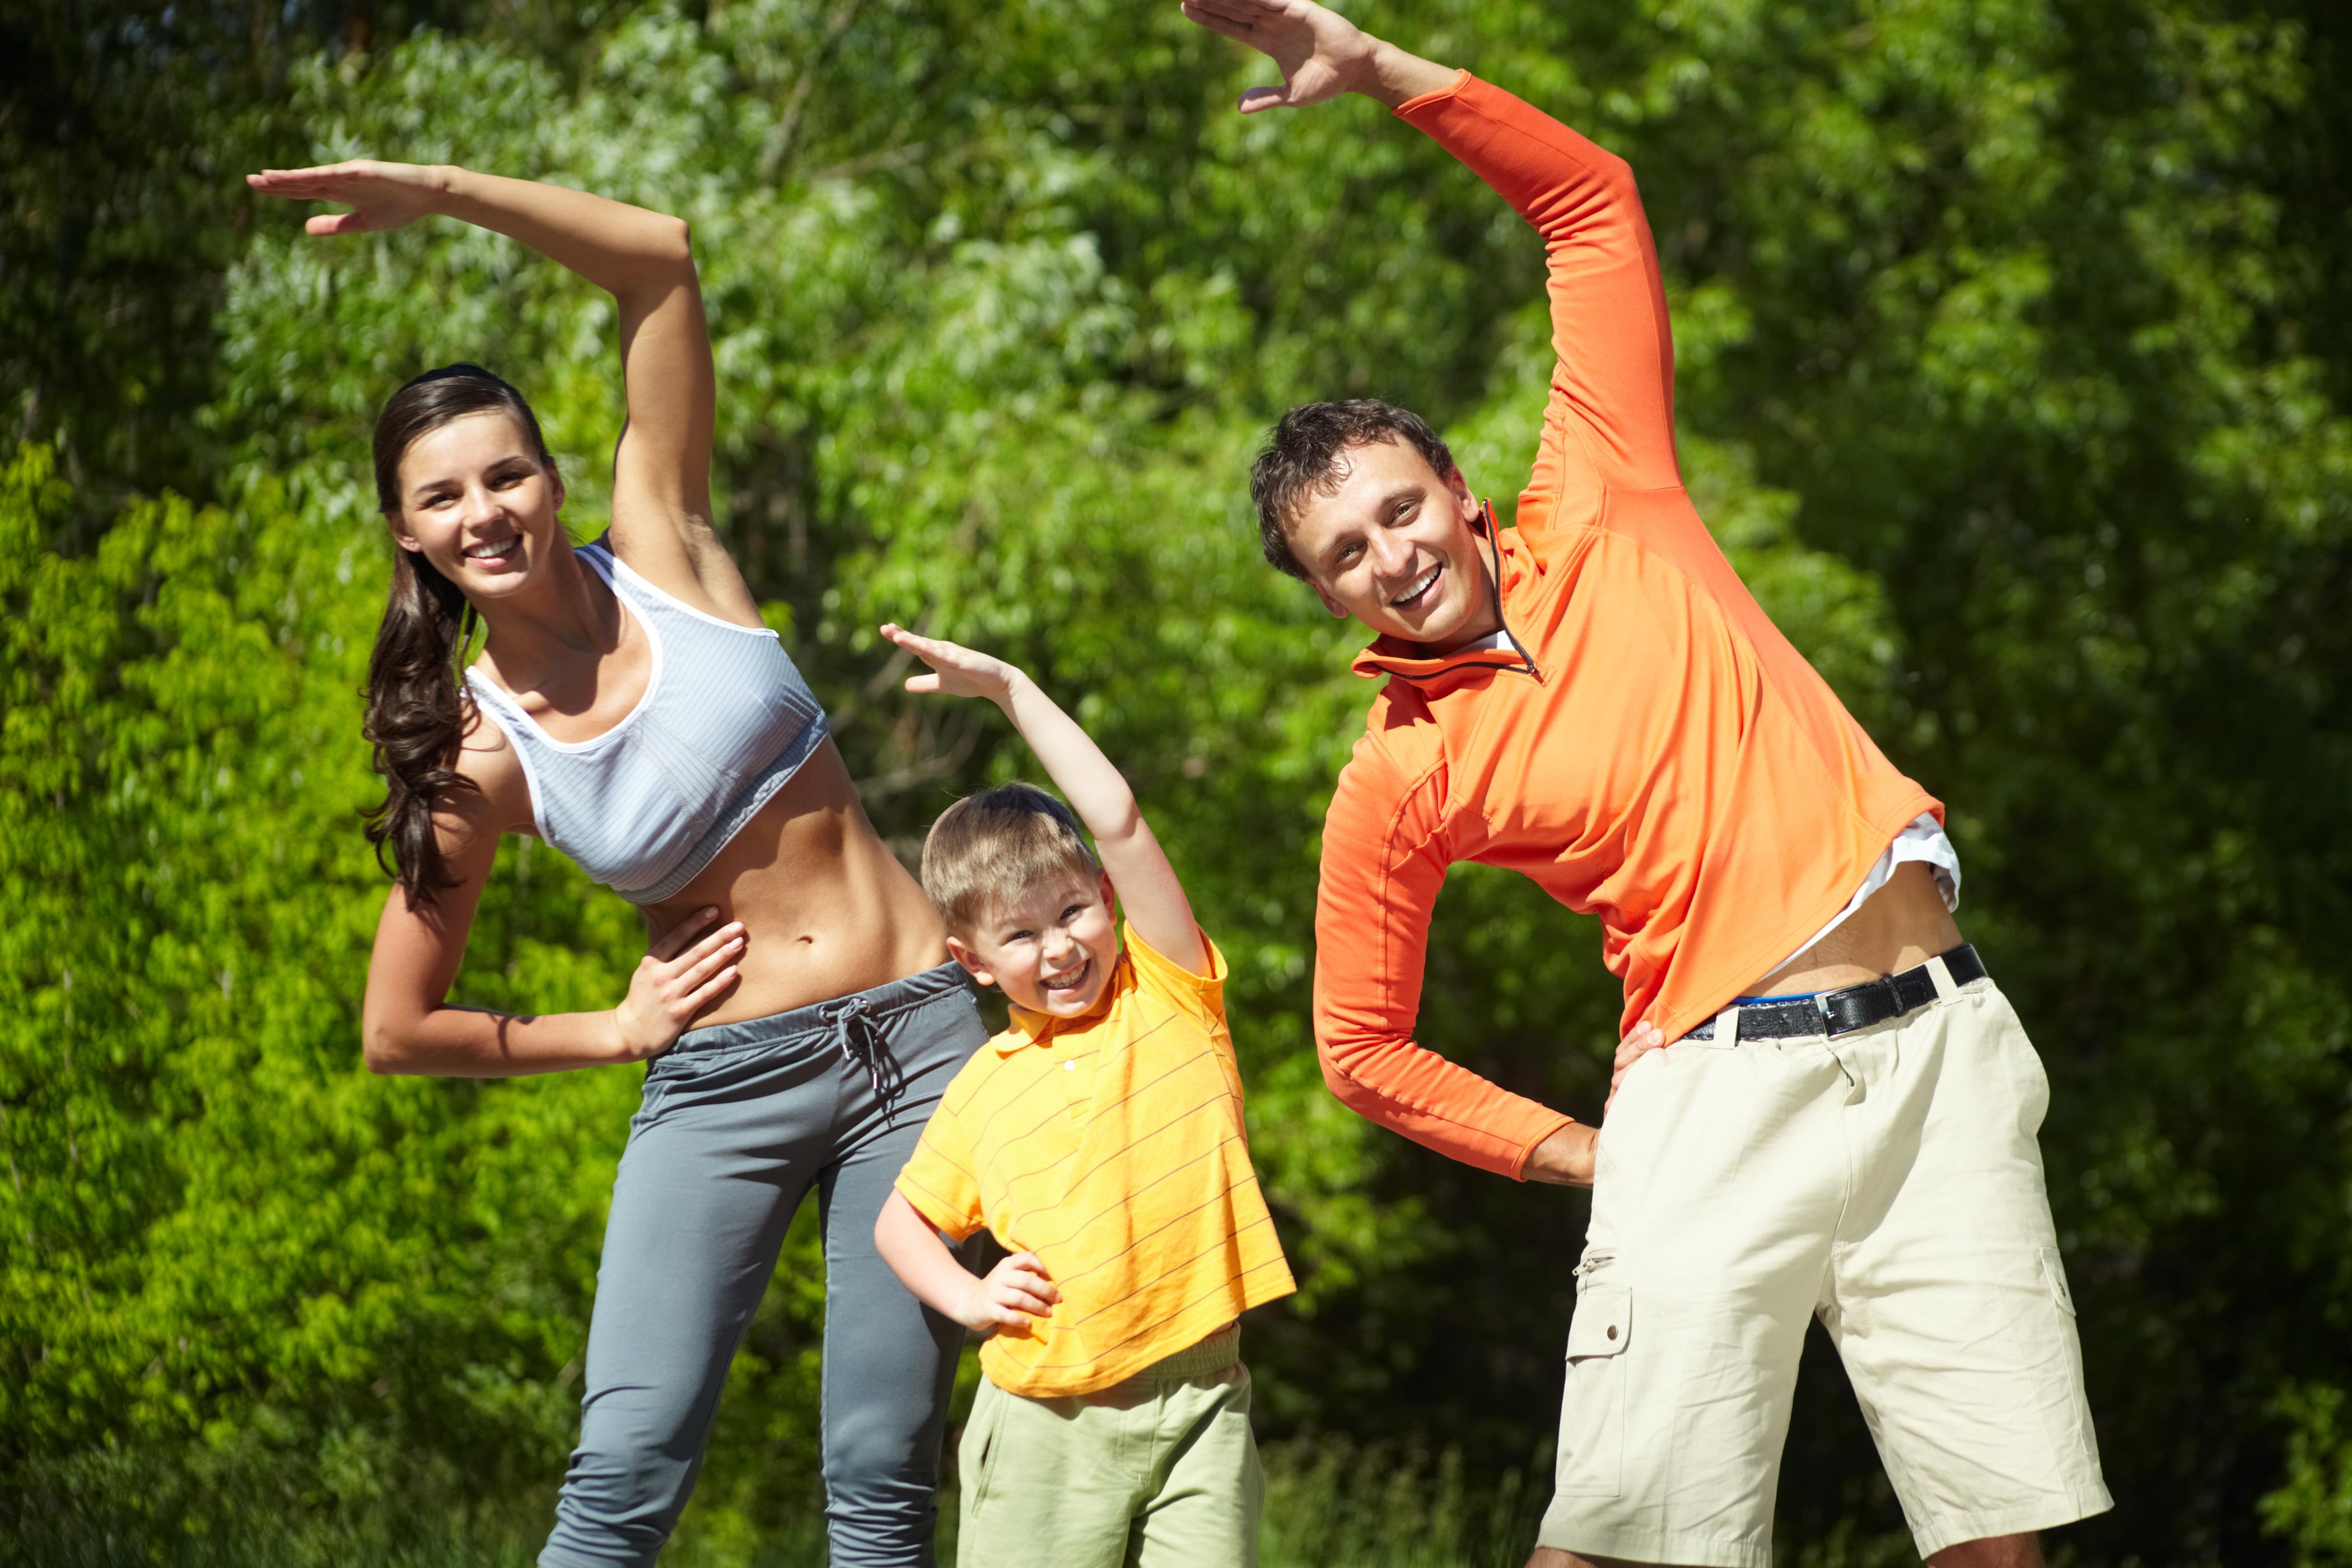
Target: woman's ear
x=400, y=535
x=972, y=962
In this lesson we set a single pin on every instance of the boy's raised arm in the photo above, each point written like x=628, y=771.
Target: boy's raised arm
x=1147, y=885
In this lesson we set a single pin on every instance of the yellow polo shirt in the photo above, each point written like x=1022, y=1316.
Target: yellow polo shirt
x=1110, y=1146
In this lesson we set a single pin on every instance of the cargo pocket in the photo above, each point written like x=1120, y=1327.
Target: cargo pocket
x=979, y=1441
x=2053, y=1274
x=1592, y=1407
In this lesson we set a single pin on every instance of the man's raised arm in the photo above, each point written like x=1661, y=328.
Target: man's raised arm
x=1610, y=421
x=1321, y=53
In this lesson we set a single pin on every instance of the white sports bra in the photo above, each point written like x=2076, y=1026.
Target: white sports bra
x=725, y=722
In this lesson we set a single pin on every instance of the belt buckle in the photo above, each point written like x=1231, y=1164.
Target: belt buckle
x=1885, y=982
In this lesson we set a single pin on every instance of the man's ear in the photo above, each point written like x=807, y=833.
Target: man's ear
x=1109, y=893
x=963, y=954
x=1338, y=611
x=1466, y=505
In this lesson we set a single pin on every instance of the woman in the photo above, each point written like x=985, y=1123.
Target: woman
x=629, y=708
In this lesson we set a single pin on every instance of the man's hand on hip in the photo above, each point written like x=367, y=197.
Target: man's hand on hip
x=1565, y=1159
x=1645, y=1039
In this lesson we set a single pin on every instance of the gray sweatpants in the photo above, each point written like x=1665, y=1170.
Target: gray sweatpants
x=737, y=1121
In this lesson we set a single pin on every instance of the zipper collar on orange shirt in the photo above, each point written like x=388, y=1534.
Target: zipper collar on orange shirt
x=1413, y=661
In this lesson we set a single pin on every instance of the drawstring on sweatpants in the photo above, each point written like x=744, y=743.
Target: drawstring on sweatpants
x=862, y=1043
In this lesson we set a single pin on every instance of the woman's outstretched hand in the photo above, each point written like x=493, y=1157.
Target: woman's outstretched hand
x=677, y=979
x=381, y=196
x=956, y=670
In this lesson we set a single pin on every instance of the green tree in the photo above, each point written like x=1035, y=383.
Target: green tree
x=2013, y=376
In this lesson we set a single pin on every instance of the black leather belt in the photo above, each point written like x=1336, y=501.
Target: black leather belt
x=1835, y=1012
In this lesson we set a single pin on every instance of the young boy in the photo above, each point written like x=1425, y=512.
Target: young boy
x=1100, y=1140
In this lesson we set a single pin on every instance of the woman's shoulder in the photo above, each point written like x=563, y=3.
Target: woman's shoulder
x=488, y=759
x=688, y=565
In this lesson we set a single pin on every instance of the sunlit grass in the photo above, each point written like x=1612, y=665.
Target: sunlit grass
x=1326, y=1504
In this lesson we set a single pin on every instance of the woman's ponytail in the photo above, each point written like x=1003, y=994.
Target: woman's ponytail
x=417, y=710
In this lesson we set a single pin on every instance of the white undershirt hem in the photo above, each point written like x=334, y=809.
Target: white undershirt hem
x=1924, y=840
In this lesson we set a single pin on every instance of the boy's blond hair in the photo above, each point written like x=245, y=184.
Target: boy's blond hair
x=989, y=848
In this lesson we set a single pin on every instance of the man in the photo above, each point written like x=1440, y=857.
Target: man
x=1844, y=1123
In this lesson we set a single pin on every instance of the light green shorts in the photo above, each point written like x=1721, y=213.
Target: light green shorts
x=1159, y=1471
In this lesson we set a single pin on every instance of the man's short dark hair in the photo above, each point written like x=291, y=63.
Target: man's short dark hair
x=1302, y=457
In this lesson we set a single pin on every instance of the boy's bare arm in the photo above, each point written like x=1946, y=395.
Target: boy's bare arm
x=1015, y=1290
x=1154, y=900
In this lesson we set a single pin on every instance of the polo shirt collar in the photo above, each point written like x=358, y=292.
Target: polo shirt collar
x=1036, y=1028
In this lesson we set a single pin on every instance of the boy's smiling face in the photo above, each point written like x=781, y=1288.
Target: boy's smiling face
x=1050, y=950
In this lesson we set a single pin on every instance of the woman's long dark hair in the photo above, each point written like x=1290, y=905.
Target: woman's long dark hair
x=417, y=711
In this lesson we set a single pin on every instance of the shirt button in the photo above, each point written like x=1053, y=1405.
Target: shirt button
x=1069, y=1066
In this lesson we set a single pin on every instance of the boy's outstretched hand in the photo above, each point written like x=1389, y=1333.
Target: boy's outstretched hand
x=956, y=670
x=1320, y=54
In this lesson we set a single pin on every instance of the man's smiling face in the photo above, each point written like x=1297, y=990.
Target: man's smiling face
x=1393, y=545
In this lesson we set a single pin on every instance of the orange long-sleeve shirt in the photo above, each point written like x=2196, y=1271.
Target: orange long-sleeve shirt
x=1653, y=750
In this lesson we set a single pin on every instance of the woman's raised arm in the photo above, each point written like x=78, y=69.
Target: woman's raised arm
x=661, y=474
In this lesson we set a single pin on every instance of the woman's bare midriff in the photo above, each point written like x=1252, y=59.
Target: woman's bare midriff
x=826, y=909
x=1899, y=926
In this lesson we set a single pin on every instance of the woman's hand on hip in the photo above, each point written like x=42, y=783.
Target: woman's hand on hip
x=677, y=980
x=381, y=196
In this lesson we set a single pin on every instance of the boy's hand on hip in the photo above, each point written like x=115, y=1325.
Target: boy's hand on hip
x=1564, y=1159
x=1015, y=1291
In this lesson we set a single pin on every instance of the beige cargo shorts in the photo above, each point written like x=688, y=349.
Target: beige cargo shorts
x=1887, y=1182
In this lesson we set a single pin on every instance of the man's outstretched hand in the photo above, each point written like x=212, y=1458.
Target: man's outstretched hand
x=1320, y=54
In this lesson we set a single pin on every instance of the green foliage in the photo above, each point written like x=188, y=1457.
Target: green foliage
x=2314, y=1507
x=2011, y=378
